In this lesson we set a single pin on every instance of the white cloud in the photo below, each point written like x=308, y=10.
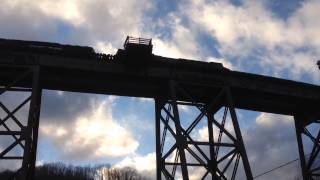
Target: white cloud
x=144, y=100
x=273, y=120
x=145, y=165
x=106, y=48
x=226, y=64
x=94, y=134
x=270, y=142
x=66, y=10
x=141, y=163
x=11, y=164
x=231, y=24
x=182, y=43
x=255, y=37
x=96, y=23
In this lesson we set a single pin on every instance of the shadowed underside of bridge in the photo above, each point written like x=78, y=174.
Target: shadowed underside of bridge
x=135, y=71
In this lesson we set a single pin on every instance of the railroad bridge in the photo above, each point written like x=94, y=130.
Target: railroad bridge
x=134, y=71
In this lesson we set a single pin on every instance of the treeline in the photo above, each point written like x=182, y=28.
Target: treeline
x=60, y=171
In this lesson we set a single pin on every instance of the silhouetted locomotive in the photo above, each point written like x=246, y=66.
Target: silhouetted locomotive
x=47, y=48
x=136, y=52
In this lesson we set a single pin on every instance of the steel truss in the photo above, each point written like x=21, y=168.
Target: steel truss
x=210, y=155
x=310, y=165
x=27, y=134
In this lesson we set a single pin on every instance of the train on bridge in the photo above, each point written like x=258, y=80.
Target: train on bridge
x=31, y=66
x=139, y=48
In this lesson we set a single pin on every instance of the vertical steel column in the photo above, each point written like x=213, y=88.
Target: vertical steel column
x=27, y=134
x=159, y=165
x=237, y=130
x=309, y=162
x=181, y=139
x=299, y=131
x=213, y=160
x=30, y=133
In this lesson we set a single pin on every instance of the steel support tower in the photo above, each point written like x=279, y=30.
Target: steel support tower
x=215, y=162
x=26, y=135
x=309, y=162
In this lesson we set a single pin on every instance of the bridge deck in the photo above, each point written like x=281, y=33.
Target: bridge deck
x=148, y=76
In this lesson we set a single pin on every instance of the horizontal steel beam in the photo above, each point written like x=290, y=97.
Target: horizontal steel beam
x=11, y=158
x=250, y=91
x=10, y=132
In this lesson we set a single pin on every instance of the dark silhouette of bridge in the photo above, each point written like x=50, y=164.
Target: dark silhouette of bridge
x=134, y=71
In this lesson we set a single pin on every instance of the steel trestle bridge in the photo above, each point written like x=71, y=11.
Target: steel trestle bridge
x=209, y=87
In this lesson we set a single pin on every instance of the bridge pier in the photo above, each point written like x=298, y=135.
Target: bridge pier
x=26, y=135
x=310, y=165
x=178, y=152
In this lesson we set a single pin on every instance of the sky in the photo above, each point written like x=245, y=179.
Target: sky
x=278, y=38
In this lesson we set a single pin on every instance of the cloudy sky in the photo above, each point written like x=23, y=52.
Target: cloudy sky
x=278, y=38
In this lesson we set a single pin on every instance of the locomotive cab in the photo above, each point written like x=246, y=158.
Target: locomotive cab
x=136, y=51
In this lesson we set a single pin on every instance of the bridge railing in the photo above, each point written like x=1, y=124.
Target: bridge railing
x=133, y=40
